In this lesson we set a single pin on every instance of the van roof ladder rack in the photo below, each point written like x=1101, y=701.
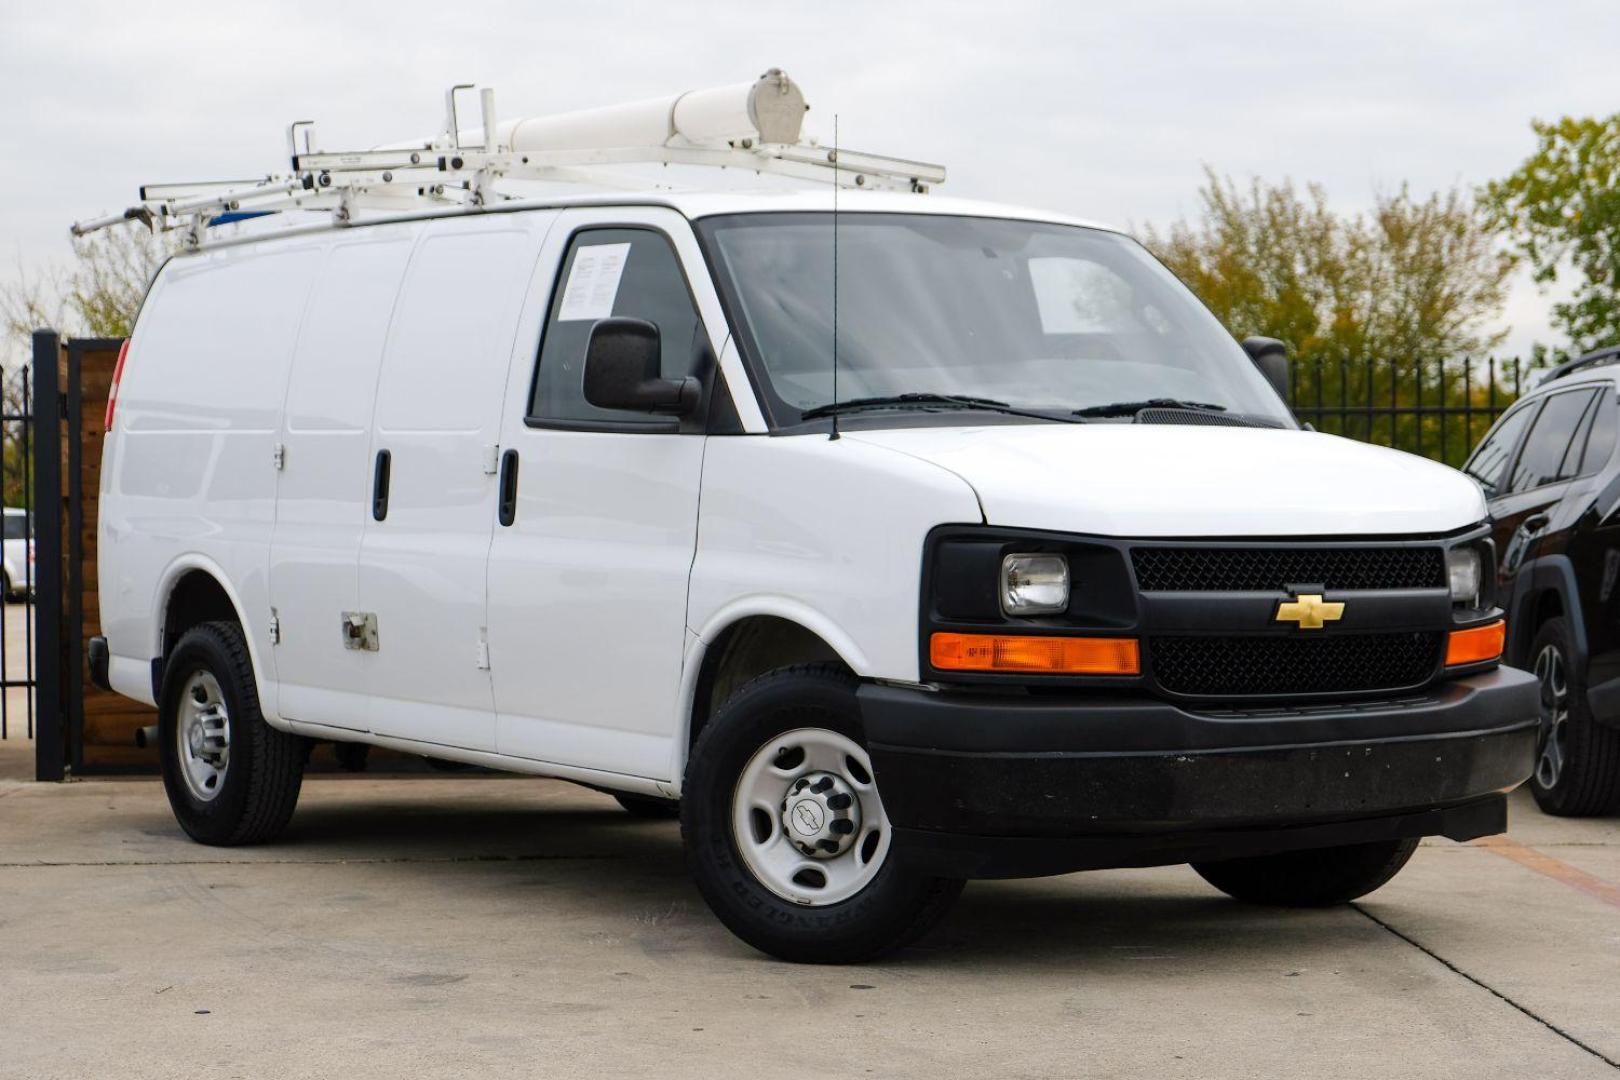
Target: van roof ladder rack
x=749, y=127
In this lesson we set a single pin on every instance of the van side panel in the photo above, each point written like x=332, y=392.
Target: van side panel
x=439, y=401
x=324, y=487
x=189, y=474
x=828, y=534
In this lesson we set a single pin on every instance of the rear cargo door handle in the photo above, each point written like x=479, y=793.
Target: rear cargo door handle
x=509, y=478
x=379, y=486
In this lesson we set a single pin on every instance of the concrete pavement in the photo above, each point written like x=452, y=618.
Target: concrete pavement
x=496, y=927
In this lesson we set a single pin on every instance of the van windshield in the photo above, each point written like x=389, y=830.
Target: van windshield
x=1044, y=317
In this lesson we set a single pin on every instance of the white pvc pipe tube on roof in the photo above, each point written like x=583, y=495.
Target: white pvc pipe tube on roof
x=767, y=110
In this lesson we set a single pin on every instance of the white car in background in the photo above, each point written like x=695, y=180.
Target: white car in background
x=17, y=564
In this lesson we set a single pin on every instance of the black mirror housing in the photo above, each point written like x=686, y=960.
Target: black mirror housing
x=1271, y=357
x=622, y=371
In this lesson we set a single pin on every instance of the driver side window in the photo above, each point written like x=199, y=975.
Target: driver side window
x=1489, y=463
x=631, y=272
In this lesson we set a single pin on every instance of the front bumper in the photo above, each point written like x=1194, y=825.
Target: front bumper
x=997, y=785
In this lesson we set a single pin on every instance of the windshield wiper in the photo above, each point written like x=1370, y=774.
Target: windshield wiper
x=1131, y=408
x=928, y=401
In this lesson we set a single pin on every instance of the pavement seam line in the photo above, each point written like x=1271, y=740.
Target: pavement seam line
x=1488, y=988
x=1546, y=865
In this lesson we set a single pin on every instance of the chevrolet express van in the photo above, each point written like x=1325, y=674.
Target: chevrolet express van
x=1026, y=571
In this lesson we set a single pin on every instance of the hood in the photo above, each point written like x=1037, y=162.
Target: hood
x=1161, y=480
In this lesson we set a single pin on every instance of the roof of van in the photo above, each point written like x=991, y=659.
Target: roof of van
x=700, y=204
x=692, y=204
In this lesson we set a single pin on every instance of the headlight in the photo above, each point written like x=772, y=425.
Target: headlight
x=1035, y=584
x=1462, y=567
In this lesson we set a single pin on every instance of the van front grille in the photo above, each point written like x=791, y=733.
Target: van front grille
x=1272, y=569
x=1262, y=666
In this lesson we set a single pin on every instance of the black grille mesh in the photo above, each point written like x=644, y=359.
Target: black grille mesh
x=1260, y=569
x=1255, y=666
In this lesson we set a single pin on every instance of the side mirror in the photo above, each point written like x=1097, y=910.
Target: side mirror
x=622, y=371
x=1271, y=357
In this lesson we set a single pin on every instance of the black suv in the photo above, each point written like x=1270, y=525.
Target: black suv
x=1549, y=472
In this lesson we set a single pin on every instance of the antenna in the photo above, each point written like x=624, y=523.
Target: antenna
x=834, y=157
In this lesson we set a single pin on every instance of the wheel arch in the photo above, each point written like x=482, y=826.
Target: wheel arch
x=194, y=589
x=744, y=642
x=1544, y=588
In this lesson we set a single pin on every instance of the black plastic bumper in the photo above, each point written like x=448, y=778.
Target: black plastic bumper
x=980, y=785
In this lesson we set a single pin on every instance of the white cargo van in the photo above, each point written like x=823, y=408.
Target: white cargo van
x=1029, y=570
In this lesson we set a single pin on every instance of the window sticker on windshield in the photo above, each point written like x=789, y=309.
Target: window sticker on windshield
x=593, y=282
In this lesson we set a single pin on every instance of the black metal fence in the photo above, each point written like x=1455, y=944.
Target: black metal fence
x=17, y=627
x=1438, y=410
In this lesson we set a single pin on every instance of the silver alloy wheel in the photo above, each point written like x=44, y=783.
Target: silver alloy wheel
x=1554, y=716
x=203, y=733
x=807, y=818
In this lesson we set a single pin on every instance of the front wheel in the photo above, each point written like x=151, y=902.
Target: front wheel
x=785, y=832
x=1318, y=877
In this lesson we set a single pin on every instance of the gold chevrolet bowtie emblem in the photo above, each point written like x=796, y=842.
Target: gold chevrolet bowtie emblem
x=1310, y=611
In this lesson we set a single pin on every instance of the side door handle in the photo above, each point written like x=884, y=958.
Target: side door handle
x=379, y=486
x=509, y=481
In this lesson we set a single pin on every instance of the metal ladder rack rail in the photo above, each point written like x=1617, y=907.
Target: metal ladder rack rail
x=445, y=172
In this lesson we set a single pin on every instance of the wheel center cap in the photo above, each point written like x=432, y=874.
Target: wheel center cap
x=821, y=815
x=807, y=816
x=194, y=738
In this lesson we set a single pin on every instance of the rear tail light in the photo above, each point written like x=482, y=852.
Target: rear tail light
x=112, y=392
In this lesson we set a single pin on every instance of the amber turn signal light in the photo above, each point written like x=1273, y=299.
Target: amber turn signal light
x=1023, y=653
x=1476, y=643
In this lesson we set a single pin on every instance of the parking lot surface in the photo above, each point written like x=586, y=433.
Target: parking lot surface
x=491, y=927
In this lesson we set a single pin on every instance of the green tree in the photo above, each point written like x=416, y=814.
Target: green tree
x=1373, y=306
x=1561, y=210
x=97, y=294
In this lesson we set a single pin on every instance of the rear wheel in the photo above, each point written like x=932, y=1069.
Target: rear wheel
x=786, y=834
x=1577, y=759
x=231, y=778
x=1319, y=877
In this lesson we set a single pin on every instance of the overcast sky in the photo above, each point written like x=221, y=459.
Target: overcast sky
x=1103, y=110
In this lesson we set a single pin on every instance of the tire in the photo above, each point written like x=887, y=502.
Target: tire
x=649, y=806
x=1577, y=759
x=247, y=794
x=1318, y=877
x=871, y=904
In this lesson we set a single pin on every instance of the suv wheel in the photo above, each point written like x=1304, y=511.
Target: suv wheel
x=1577, y=759
x=1317, y=877
x=231, y=778
x=785, y=832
